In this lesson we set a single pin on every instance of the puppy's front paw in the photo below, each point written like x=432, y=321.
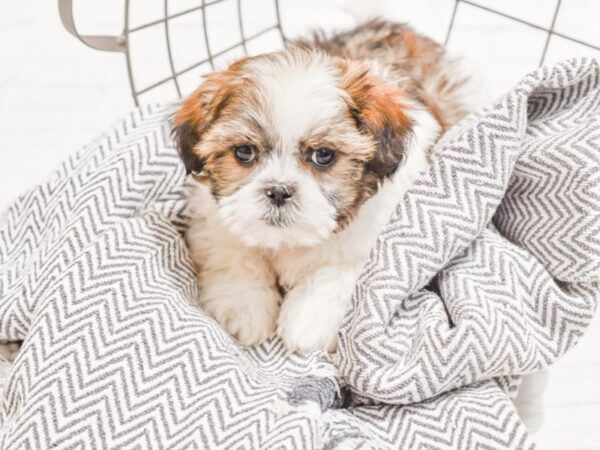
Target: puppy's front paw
x=309, y=324
x=249, y=315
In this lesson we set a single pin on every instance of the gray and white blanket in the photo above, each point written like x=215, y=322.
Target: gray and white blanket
x=489, y=268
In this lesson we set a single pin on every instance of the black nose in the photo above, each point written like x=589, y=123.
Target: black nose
x=279, y=193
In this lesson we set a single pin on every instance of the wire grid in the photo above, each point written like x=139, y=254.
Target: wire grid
x=550, y=31
x=166, y=23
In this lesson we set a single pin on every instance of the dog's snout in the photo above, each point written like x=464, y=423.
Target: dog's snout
x=279, y=193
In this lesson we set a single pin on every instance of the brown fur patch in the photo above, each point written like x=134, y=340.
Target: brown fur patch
x=200, y=110
x=414, y=61
x=379, y=109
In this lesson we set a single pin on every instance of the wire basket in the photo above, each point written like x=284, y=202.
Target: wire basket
x=181, y=71
x=240, y=34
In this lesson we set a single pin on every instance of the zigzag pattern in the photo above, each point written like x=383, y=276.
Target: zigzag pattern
x=515, y=303
x=94, y=275
x=116, y=354
x=469, y=410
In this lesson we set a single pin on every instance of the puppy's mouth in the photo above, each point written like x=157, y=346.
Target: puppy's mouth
x=281, y=216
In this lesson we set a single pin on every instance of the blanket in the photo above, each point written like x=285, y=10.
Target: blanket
x=488, y=269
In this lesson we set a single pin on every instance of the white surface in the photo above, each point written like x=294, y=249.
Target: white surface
x=56, y=95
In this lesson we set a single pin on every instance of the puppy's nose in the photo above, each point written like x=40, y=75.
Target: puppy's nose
x=279, y=193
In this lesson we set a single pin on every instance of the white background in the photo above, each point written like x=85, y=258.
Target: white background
x=56, y=95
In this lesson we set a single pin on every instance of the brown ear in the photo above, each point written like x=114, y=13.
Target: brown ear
x=196, y=114
x=380, y=110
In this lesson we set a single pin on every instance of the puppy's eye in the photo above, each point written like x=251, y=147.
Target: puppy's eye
x=322, y=157
x=245, y=153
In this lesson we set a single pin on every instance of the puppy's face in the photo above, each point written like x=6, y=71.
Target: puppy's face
x=291, y=144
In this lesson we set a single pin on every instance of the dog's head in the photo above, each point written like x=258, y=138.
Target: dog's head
x=291, y=144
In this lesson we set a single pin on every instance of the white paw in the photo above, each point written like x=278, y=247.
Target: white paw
x=249, y=315
x=310, y=324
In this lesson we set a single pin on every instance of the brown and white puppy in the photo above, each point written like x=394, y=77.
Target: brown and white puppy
x=300, y=158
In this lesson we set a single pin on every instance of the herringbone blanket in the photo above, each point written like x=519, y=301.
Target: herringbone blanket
x=489, y=268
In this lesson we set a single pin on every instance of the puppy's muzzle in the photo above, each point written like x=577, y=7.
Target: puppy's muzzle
x=279, y=194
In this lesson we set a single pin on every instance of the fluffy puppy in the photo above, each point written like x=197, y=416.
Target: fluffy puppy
x=300, y=157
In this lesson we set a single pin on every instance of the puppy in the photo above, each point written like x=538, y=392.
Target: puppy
x=300, y=157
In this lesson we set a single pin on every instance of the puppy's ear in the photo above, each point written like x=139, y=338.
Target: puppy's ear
x=380, y=110
x=195, y=115
x=186, y=136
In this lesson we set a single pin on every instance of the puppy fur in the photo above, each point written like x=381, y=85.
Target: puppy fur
x=371, y=103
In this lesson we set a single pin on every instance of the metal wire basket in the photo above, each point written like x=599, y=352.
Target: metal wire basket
x=214, y=40
x=175, y=78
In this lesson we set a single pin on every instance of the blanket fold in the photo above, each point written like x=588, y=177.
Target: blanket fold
x=516, y=301
x=488, y=269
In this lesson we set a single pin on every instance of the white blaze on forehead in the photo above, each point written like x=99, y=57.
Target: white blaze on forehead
x=282, y=168
x=299, y=92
